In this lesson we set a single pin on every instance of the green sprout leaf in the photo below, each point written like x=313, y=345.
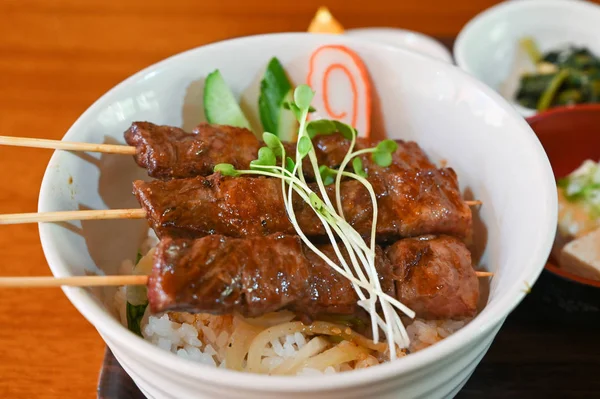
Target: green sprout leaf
x=382, y=158
x=294, y=108
x=327, y=174
x=303, y=96
x=315, y=201
x=358, y=167
x=304, y=146
x=320, y=126
x=311, y=109
x=273, y=143
x=346, y=130
x=226, y=169
x=387, y=146
x=289, y=164
x=327, y=126
x=266, y=157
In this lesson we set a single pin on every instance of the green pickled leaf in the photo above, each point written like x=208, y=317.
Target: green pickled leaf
x=274, y=88
x=134, y=317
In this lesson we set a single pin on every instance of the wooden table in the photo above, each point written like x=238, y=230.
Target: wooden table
x=56, y=58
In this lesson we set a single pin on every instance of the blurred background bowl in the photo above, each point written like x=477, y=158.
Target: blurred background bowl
x=569, y=136
x=406, y=39
x=487, y=45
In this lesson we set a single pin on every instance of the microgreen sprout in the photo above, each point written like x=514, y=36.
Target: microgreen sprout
x=304, y=146
x=355, y=258
x=226, y=169
x=357, y=165
x=327, y=174
x=273, y=143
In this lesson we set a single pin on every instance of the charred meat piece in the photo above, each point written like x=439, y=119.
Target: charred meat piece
x=417, y=262
x=410, y=203
x=170, y=153
x=254, y=276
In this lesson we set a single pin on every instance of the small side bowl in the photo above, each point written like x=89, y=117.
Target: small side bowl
x=486, y=47
x=569, y=136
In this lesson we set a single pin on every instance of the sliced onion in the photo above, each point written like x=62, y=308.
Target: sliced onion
x=259, y=343
x=291, y=365
x=342, y=353
x=239, y=343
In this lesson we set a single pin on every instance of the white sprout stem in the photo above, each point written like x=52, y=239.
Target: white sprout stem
x=408, y=312
x=313, y=161
x=351, y=252
x=338, y=178
x=361, y=257
x=301, y=132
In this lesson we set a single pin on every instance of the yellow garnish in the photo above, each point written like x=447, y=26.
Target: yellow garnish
x=323, y=22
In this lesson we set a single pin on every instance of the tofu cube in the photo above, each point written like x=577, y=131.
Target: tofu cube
x=582, y=256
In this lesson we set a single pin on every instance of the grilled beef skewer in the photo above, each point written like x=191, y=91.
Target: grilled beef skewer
x=410, y=203
x=254, y=276
x=169, y=152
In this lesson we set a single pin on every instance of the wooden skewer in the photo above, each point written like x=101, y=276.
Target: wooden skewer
x=94, y=281
x=63, y=216
x=473, y=203
x=106, y=214
x=82, y=281
x=67, y=145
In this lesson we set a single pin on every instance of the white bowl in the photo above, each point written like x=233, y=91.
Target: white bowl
x=453, y=116
x=487, y=46
x=405, y=39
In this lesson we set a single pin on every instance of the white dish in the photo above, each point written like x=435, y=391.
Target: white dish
x=405, y=39
x=487, y=46
x=453, y=117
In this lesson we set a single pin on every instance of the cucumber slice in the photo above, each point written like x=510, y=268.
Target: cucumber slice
x=137, y=294
x=220, y=105
x=275, y=89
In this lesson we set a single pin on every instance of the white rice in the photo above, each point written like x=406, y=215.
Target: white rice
x=204, y=338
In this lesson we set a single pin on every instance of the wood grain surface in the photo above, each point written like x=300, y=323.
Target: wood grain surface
x=59, y=56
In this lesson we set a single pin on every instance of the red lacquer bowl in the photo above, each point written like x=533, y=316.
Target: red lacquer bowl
x=569, y=135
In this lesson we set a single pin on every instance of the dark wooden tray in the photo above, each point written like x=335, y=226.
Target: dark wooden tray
x=540, y=352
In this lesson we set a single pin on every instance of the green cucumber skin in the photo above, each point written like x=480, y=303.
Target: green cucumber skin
x=220, y=105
